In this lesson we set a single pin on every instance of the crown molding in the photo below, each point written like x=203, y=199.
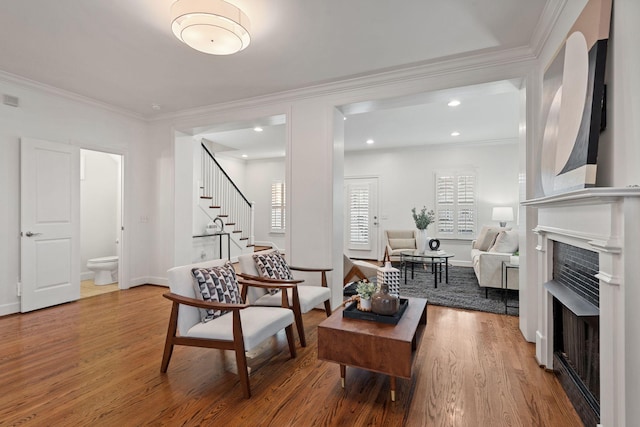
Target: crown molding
x=476, y=61
x=72, y=96
x=548, y=19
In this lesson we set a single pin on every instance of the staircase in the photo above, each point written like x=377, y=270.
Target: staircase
x=221, y=198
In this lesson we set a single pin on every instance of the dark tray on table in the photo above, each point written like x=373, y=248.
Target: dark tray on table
x=352, y=312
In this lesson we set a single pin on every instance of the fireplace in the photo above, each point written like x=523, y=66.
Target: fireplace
x=576, y=327
x=603, y=222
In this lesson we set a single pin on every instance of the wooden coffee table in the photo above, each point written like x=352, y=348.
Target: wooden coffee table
x=378, y=347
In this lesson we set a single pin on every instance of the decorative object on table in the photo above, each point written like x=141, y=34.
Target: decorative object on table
x=384, y=303
x=502, y=214
x=434, y=244
x=422, y=220
x=365, y=290
x=390, y=276
x=353, y=312
x=216, y=225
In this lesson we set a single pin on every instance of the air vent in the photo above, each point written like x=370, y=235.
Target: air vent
x=11, y=101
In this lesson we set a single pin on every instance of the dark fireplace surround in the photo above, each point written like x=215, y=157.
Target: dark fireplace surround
x=576, y=327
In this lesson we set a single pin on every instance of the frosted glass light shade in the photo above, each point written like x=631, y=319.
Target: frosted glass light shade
x=210, y=26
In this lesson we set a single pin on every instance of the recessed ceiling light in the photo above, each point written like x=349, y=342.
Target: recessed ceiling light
x=156, y=106
x=244, y=156
x=344, y=118
x=455, y=133
x=258, y=129
x=453, y=103
x=370, y=141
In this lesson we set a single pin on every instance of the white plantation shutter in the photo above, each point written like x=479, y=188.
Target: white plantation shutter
x=277, y=206
x=445, y=204
x=359, y=204
x=466, y=205
x=456, y=204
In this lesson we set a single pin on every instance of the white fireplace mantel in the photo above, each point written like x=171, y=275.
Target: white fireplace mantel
x=606, y=221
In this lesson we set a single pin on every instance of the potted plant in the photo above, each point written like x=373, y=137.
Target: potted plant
x=365, y=290
x=422, y=220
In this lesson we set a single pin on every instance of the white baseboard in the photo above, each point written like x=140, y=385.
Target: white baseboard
x=149, y=280
x=10, y=308
x=460, y=263
x=87, y=275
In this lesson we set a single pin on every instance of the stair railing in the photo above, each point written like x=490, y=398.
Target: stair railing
x=235, y=209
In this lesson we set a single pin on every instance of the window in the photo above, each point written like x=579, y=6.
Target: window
x=359, y=199
x=456, y=204
x=277, y=206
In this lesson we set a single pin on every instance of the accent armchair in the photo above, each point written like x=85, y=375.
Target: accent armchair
x=240, y=329
x=302, y=298
x=398, y=241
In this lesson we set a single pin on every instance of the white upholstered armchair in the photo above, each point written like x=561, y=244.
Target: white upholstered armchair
x=398, y=241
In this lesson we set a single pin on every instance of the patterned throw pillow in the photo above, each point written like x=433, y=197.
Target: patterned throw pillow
x=217, y=284
x=273, y=266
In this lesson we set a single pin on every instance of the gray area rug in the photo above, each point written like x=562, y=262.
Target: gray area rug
x=462, y=291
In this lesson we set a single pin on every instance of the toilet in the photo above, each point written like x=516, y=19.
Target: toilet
x=105, y=269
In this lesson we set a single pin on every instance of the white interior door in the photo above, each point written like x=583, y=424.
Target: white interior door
x=50, y=223
x=361, y=217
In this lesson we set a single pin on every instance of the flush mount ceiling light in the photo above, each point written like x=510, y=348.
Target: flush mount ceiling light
x=210, y=26
x=453, y=103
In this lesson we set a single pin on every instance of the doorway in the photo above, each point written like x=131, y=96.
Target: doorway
x=100, y=222
x=361, y=224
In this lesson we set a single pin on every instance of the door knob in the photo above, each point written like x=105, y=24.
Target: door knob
x=30, y=234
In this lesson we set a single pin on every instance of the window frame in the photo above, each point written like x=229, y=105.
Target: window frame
x=278, y=211
x=452, y=208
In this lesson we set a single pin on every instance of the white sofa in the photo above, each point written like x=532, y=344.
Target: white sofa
x=493, y=246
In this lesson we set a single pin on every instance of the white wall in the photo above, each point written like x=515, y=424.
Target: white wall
x=406, y=180
x=258, y=177
x=46, y=114
x=98, y=208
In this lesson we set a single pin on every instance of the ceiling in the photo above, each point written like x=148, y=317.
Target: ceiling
x=122, y=53
x=488, y=114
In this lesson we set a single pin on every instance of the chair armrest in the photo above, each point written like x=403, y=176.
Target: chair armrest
x=268, y=279
x=310, y=269
x=203, y=304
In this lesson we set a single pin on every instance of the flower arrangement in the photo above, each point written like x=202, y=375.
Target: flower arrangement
x=366, y=289
x=424, y=218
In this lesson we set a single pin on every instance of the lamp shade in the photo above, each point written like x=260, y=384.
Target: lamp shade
x=502, y=214
x=210, y=26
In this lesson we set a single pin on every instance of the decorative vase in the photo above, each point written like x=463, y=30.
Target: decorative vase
x=382, y=302
x=365, y=304
x=390, y=277
x=424, y=246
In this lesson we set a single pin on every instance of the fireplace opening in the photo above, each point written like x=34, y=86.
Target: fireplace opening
x=576, y=327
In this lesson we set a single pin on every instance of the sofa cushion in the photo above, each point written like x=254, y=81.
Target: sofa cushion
x=402, y=243
x=487, y=237
x=216, y=284
x=506, y=242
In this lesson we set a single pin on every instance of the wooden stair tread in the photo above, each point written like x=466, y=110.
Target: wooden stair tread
x=237, y=231
x=206, y=197
x=214, y=207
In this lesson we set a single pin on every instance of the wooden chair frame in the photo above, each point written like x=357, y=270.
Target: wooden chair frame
x=237, y=345
x=292, y=284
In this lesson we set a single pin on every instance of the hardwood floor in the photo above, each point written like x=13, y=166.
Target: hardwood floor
x=97, y=362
